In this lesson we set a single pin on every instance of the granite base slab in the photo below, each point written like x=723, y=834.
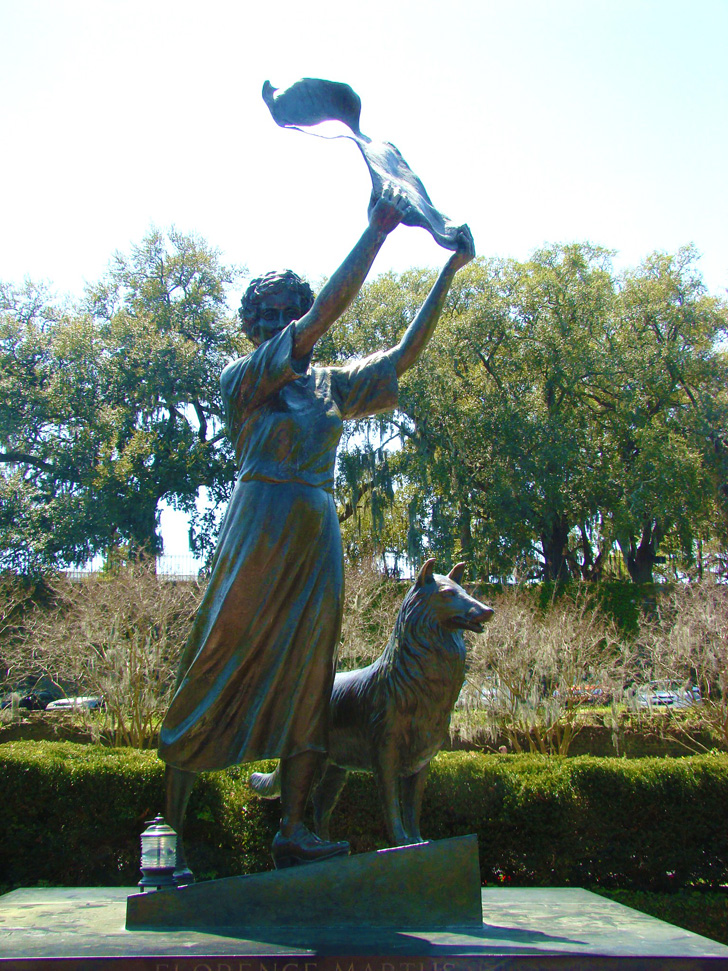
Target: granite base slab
x=83, y=929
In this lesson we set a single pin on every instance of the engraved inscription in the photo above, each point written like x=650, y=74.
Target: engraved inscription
x=356, y=964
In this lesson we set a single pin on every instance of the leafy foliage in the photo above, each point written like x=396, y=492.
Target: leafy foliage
x=560, y=411
x=72, y=796
x=669, y=431
x=566, y=422
x=111, y=406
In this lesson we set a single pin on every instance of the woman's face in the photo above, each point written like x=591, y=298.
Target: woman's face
x=275, y=311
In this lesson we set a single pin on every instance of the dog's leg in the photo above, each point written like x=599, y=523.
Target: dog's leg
x=413, y=789
x=325, y=797
x=385, y=770
x=179, y=786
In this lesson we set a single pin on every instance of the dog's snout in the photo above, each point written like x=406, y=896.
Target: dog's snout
x=477, y=615
x=480, y=613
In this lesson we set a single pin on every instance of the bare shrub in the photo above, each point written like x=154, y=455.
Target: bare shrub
x=118, y=637
x=684, y=642
x=371, y=604
x=16, y=601
x=532, y=672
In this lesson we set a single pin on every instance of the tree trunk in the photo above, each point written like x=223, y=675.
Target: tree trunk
x=554, y=542
x=140, y=530
x=466, y=536
x=641, y=557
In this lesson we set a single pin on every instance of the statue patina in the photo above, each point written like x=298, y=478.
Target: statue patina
x=256, y=673
x=392, y=717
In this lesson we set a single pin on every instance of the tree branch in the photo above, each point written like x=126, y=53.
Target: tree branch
x=202, y=419
x=21, y=458
x=349, y=509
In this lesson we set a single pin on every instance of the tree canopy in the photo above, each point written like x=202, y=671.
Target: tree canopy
x=562, y=411
x=564, y=415
x=112, y=405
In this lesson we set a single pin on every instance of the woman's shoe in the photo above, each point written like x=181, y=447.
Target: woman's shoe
x=303, y=846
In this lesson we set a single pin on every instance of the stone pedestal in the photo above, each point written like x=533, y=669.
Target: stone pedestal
x=425, y=885
x=522, y=929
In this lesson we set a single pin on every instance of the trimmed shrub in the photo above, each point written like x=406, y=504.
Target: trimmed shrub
x=73, y=816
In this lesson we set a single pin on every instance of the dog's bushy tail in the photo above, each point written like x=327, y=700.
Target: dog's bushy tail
x=266, y=784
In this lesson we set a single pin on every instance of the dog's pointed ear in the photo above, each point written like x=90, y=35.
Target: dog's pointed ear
x=425, y=574
x=456, y=573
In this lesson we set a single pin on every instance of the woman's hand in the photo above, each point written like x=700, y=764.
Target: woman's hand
x=389, y=210
x=466, y=249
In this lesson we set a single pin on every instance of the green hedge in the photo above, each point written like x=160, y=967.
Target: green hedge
x=73, y=815
x=642, y=823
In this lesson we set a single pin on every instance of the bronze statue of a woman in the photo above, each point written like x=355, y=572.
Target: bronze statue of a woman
x=256, y=673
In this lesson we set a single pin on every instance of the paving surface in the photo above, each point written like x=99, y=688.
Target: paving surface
x=533, y=928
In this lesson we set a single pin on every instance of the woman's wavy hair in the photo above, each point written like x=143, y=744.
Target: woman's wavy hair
x=273, y=282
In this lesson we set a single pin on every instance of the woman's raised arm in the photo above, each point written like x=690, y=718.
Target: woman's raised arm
x=343, y=286
x=419, y=332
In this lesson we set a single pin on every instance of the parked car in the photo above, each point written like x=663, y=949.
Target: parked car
x=64, y=704
x=35, y=701
x=668, y=694
x=584, y=694
x=488, y=695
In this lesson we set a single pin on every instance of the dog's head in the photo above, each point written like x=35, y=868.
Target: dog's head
x=450, y=605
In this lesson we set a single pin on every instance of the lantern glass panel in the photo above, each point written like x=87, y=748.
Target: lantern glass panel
x=159, y=850
x=159, y=845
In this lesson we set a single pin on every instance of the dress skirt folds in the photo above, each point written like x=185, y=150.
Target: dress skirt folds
x=270, y=624
x=256, y=672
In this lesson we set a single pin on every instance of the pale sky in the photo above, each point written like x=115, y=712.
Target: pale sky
x=536, y=121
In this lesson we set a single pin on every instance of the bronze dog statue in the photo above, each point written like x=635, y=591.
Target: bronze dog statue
x=392, y=717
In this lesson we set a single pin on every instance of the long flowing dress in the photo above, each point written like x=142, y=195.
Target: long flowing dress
x=256, y=672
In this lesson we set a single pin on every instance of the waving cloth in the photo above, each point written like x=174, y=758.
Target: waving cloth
x=311, y=101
